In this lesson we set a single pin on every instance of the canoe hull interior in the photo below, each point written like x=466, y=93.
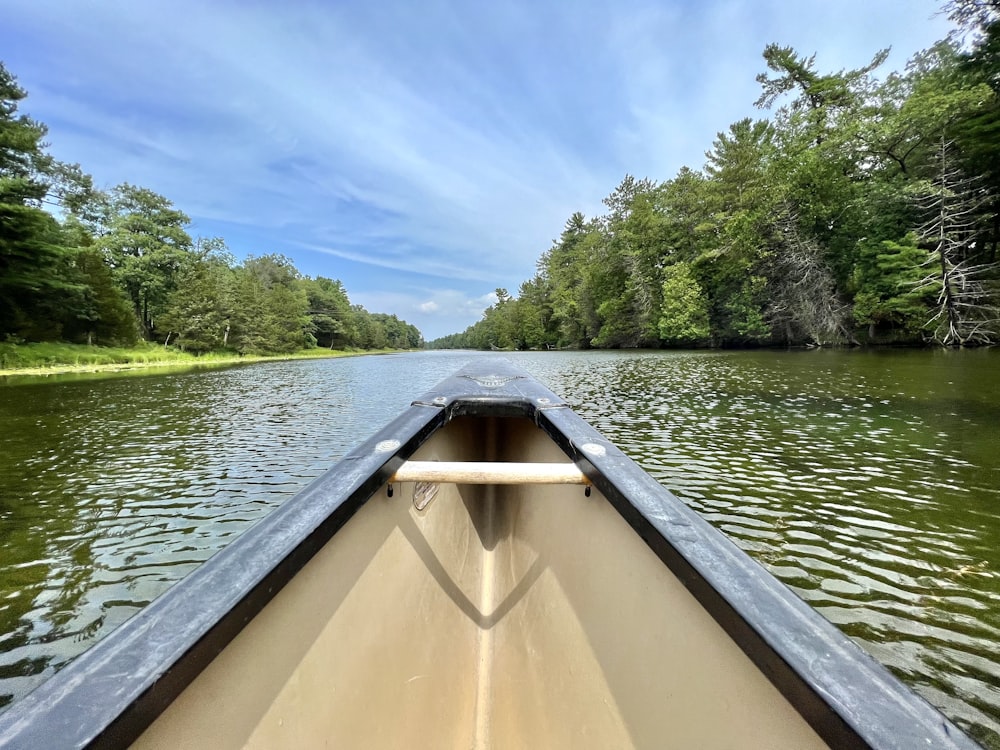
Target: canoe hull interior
x=499, y=616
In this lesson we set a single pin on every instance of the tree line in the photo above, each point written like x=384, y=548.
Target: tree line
x=119, y=266
x=861, y=211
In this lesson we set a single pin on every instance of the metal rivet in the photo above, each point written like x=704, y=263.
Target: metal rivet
x=593, y=449
x=544, y=401
x=440, y=400
x=386, y=446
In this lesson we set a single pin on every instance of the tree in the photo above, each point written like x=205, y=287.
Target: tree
x=684, y=315
x=629, y=300
x=270, y=307
x=910, y=110
x=979, y=132
x=823, y=160
x=500, y=325
x=198, y=313
x=122, y=262
x=100, y=313
x=23, y=161
x=534, y=314
x=743, y=312
x=690, y=207
x=892, y=299
x=973, y=15
x=738, y=165
x=398, y=333
x=145, y=244
x=607, y=299
x=104, y=317
x=803, y=304
x=822, y=98
x=35, y=266
x=563, y=267
x=731, y=271
x=330, y=312
x=796, y=219
x=967, y=311
x=371, y=333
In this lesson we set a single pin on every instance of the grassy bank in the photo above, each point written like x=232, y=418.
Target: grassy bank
x=53, y=358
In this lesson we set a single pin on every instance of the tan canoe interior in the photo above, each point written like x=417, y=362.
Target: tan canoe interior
x=498, y=617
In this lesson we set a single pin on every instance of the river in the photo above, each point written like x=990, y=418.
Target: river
x=869, y=482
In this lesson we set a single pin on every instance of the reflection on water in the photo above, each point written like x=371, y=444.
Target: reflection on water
x=869, y=482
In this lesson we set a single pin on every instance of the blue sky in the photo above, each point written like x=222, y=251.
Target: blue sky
x=424, y=153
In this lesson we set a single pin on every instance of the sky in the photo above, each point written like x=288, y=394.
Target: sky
x=424, y=153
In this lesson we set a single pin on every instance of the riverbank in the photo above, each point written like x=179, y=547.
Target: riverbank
x=58, y=359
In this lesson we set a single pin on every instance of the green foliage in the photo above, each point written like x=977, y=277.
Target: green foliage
x=199, y=310
x=35, y=266
x=822, y=100
x=738, y=166
x=684, y=314
x=608, y=298
x=330, y=312
x=48, y=356
x=562, y=269
x=35, y=279
x=271, y=309
x=104, y=315
x=145, y=244
x=23, y=162
x=396, y=333
x=891, y=296
x=745, y=318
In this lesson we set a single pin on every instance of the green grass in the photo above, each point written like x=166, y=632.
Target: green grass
x=18, y=359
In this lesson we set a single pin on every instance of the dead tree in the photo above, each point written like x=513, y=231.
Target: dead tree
x=966, y=312
x=802, y=290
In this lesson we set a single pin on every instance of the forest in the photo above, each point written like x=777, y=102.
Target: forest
x=864, y=209
x=116, y=267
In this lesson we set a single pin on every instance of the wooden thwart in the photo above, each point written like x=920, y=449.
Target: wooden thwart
x=489, y=472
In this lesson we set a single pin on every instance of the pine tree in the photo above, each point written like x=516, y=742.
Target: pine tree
x=35, y=267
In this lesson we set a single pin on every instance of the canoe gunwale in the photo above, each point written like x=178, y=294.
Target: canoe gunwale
x=849, y=699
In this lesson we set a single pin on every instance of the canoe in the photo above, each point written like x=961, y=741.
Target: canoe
x=487, y=571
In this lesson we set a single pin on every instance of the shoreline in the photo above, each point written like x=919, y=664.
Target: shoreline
x=192, y=361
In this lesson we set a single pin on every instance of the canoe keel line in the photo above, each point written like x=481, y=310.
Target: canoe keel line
x=488, y=602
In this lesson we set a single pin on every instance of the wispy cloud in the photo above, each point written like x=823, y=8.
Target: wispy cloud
x=408, y=148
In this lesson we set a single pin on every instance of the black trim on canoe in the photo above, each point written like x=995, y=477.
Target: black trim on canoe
x=109, y=695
